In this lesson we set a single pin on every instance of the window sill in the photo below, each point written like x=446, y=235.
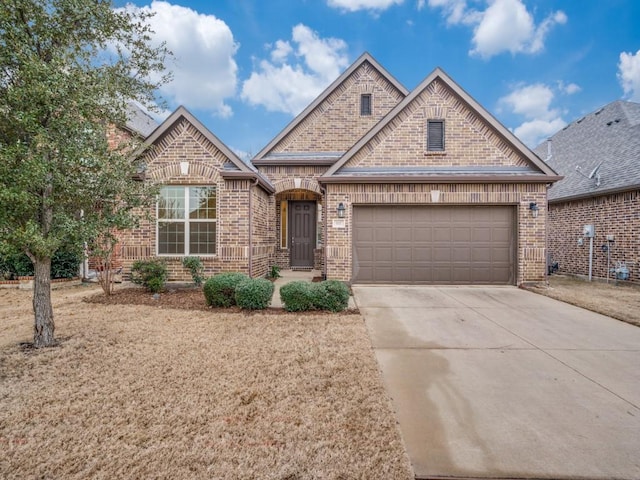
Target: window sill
x=435, y=154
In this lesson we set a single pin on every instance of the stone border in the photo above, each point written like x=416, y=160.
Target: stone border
x=26, y=283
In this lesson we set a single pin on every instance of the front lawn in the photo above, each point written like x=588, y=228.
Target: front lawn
x=148, y=392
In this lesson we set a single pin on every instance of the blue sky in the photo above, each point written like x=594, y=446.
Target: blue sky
x=246, y=67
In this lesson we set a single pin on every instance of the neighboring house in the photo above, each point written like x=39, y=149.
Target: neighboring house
x=369, y=184
x=599, y=157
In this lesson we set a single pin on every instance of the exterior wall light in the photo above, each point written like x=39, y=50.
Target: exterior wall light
x=533, y=206
x=341, y=209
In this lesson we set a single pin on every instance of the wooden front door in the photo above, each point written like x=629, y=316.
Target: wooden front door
x=302, y=236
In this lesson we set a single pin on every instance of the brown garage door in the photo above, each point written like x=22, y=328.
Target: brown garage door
x=434, y=244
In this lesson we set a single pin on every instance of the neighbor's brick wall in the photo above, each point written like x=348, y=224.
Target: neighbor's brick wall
x=336, y=124
x=531, y=238
x=617, y=214
x=185, y=143
x=469, y=141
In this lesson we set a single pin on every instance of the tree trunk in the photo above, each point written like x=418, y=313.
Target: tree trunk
x=42, y=308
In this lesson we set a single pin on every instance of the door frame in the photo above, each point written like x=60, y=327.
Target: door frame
x=291, y=213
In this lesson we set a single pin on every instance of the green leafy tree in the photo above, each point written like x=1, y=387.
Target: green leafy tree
x=68, y=70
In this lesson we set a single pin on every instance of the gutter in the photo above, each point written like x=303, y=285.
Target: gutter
x=599, y=193
x=440, y=179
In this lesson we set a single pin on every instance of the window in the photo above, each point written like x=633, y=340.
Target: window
x=435, y=135
x=187, y=220
x=365, y=104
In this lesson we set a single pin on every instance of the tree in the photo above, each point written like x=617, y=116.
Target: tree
x=68, y=70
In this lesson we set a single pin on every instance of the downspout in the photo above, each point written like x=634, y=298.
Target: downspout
x=325, y=238
x=251, y=224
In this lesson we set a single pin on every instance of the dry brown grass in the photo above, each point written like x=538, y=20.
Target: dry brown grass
x=617, y=301
x=143, y=392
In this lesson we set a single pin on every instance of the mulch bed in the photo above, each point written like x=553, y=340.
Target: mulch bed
x=180, y=297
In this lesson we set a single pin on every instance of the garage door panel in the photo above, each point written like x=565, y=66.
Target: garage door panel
x=434, y=244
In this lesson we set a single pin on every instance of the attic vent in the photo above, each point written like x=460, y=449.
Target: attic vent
x=365, y=104
x=580, y=121
x=599, y=111
x=435, y=135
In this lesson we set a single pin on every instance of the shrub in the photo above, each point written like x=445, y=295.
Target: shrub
x=296, y=296
x=194, y=265
x=152, y=274
x=331, y=295
x=274, y=272
x=65, y=264
x=254, y=293
x=220, y=290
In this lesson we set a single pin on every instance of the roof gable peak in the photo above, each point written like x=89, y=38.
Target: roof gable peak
x=365, y=58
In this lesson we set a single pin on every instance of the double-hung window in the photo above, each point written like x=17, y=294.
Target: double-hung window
x=187, y=220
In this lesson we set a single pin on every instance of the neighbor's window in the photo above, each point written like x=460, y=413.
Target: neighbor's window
x=435, y=135
x=187, y=220
x=283, y=223
x=365, y=104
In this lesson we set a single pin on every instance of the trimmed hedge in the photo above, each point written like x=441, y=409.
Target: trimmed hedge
x=296, y=296
x=331, y=295
x=220, y=290
x=254, y=293
x=151, y=274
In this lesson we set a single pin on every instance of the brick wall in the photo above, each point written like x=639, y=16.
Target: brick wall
x=336, y=124
x=469, y=140
x=184, y=143
x=617, y=215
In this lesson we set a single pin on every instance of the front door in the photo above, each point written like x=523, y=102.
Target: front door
x=302, y=236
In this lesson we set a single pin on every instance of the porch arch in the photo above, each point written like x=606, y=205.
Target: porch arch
x=297, y=184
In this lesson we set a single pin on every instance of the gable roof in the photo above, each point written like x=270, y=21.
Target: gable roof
x=235, y=168
x=605, y=144
x=540, y=172
x=365, y=57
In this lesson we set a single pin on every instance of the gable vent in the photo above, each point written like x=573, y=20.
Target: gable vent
x=435, y=135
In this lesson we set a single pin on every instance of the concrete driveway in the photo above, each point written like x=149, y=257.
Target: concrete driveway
x=497, y=382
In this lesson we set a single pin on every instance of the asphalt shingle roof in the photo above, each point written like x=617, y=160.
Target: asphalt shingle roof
x=139, y=121
x=604, y=144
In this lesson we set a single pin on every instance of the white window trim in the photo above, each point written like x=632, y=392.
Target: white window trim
x=186, y=221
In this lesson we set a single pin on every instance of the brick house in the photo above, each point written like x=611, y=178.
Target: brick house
x=370, y=183
x=599, y=157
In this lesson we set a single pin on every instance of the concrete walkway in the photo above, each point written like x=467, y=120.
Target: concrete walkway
x=504, y=383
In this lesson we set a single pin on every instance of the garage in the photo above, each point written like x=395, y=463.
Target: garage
x=444, y=244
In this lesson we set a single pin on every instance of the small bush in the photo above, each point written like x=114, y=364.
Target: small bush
x=274, y=272
x=331, y=295
x=220, y=290
x=195, y=267
x=296, y=296
x=254, y=293
x=65, y=264
x=151, y=274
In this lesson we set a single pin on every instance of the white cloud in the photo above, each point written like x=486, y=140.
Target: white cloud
x=505, y=26
x=296, y=75
x=355, y=5
x=569, y=89
x=629, y=74
x=420, y=4
x=533, y=102
x=203, y=67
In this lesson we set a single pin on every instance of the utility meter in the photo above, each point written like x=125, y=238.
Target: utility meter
x=588, y=231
